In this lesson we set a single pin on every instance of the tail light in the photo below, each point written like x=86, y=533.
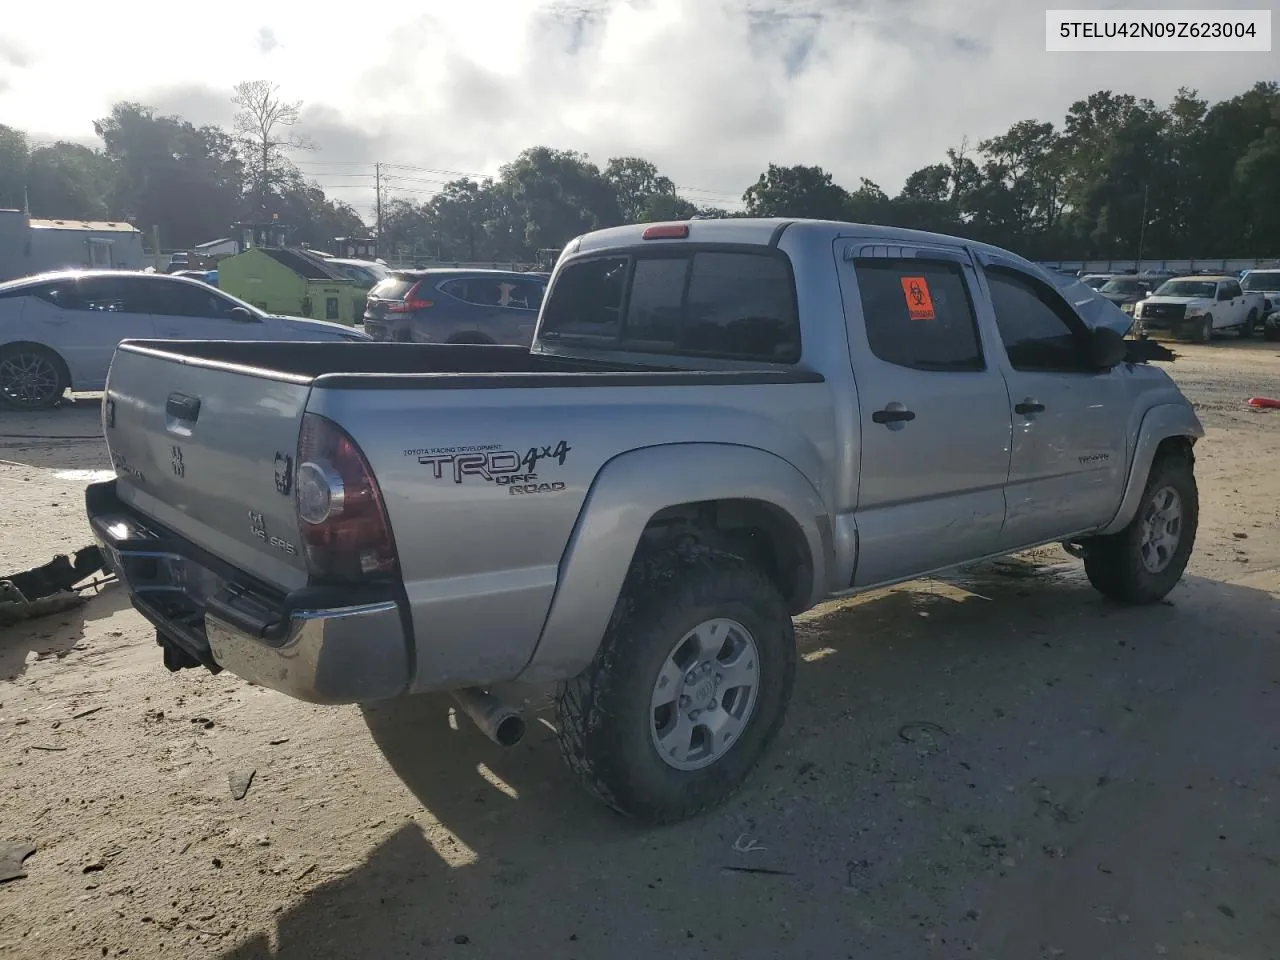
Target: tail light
x=410, y=302
x=345, y=531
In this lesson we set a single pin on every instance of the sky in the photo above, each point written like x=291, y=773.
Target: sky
x=712, y=91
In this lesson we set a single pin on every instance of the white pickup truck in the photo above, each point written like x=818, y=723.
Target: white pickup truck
x=1198, y=307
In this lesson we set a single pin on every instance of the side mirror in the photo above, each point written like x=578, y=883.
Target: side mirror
x=1106, y=348
x=241, y=314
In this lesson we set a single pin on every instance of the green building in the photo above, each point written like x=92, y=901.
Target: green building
x=285, y=280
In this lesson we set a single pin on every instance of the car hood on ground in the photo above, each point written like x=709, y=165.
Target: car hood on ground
x=323, y=327
x=1093, y=307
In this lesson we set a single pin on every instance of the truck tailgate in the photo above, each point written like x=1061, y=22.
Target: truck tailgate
x=208, y=451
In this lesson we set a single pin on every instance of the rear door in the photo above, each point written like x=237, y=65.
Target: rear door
x=934, y=410
x=1232, y=308
x=1069, y=455
x=210, y=454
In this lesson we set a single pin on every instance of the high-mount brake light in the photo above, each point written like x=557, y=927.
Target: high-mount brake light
x=666, y=231
x=345, y=530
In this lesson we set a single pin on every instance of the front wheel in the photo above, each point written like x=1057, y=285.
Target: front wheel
x=1206, y=330
x=1144, y=561
x=32, y=377
x=689, y=687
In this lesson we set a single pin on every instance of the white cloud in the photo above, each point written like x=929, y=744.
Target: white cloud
x=710, y=90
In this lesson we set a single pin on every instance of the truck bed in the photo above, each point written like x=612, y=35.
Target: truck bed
x=399, y=366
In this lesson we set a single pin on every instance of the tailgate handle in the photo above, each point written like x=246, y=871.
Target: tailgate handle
x=181, y=407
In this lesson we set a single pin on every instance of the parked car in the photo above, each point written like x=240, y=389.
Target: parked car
x=1199, y=307
x=1125, y=292
x=1096, y=280
x=455, y=306
x=1267, y=283
x=59, y=330
x=719, y=425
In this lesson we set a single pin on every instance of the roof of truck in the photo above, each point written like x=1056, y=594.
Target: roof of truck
x=766, y=230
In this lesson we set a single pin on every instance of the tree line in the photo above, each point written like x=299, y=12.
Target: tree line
x=1119, y=176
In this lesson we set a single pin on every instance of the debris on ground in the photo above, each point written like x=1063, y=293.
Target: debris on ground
x=238, y=781
x=49, y=588
x=11, y=857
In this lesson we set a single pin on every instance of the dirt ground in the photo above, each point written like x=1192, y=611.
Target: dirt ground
x=997, y=765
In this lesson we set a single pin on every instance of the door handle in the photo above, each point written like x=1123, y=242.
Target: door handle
x=893, y=416
x=1028, y=406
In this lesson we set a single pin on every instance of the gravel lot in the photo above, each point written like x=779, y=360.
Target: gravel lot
x=996, y=765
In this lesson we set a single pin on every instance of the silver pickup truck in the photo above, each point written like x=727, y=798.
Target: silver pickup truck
x=719, y=425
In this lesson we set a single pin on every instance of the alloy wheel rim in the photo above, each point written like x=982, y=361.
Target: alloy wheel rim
x=1161, y=529
x=28, y=379
x=705, y=694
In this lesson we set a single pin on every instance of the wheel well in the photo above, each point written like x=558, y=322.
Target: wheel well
x=1181, y=447
x=62, y=364
x=760, y=532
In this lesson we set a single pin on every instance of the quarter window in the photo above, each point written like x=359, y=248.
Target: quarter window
x=918, y=314
x=587, y=300
x=1038, y=329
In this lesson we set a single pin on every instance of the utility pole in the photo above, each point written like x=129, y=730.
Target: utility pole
x=1142, y=234
x=377, y=192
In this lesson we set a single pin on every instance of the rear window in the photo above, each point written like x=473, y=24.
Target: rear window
x=1262, y=280
x=393, y=288
x=715, y=303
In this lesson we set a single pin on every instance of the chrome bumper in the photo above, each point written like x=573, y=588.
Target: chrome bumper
x=322, y=645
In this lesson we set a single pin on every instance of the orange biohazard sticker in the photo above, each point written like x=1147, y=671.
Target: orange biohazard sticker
x=919, y=303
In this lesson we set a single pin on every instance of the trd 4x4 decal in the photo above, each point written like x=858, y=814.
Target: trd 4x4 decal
x=506, y=468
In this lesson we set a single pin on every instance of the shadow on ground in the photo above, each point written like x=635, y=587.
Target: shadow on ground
x=67, y=437
x=1004, y=764
x=57, y=634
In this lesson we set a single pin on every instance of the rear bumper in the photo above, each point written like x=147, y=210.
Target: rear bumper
x=319, y=644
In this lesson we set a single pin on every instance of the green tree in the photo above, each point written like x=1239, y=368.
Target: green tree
x=67, y=181
x=14, y=158
x=168, y=173
x=556, y=195
x=797, y=191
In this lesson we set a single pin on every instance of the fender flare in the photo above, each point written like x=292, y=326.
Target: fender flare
x=624, y=496
x=1161, y=422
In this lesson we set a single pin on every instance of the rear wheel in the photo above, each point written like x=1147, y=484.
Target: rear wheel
x=32, y=377
x=1251, y=321
x=1144, y=561
x=689, y=686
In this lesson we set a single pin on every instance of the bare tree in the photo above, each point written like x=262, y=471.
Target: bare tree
x=264, y=132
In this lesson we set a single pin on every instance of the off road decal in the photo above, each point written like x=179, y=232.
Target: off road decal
x=503, y=468
x=919, y=302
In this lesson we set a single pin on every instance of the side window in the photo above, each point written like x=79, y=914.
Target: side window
x=741, y=305
x=57, y=293
x=587, y=299
x=657, y=294
x=520, y=295
x=918, y=314
x=106, y=295
x=1233, y=289
x=174, y=299
x=1039, y=330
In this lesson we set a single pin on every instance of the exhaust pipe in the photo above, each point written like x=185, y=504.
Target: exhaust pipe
x=499, y=722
